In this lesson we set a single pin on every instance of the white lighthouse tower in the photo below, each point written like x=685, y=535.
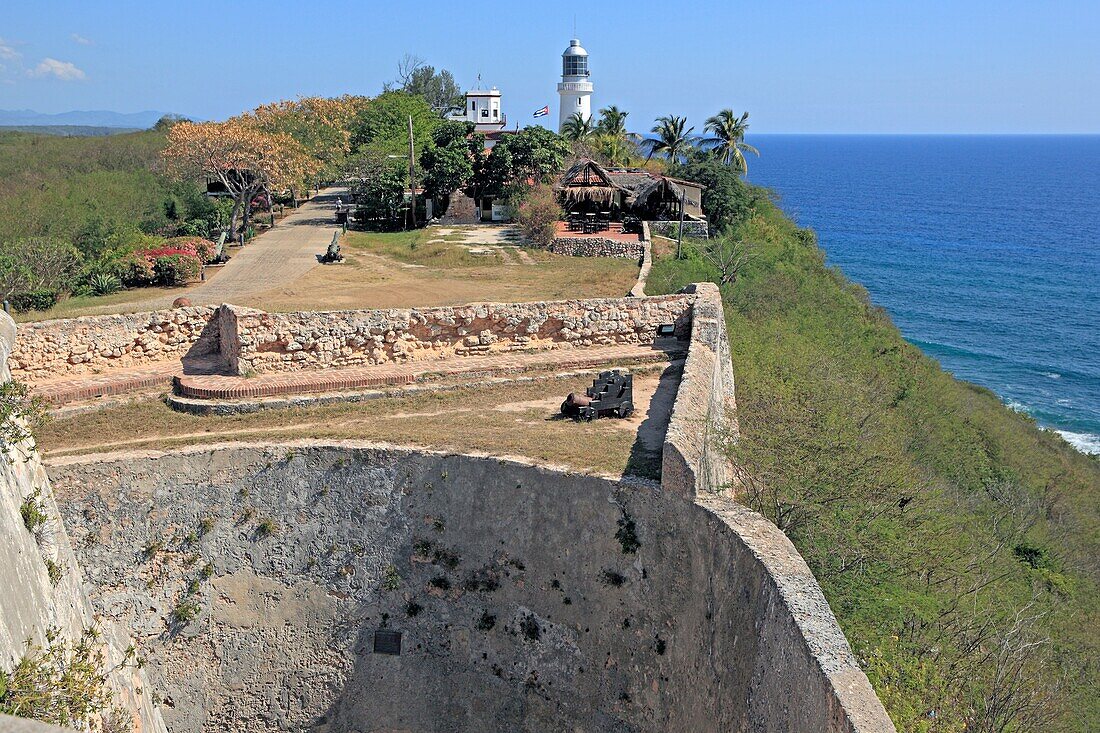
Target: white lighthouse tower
x=575, y=89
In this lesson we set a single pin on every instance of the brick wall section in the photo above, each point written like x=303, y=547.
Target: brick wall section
x=92, y=344
x=596, y=247
x=279, y=342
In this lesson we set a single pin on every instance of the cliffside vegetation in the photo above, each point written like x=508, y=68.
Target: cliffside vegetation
x=956, y=541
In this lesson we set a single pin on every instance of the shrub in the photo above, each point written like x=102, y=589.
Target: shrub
x=19, y=414
x=35, y=270
x=177, y=268
x=36, y=300
x=54, y=570
x=136, y=269
x=32, y=512
x=538, y=214
x=185, y=611
x=104, y=283
x=266, y=527
x=61, y=684
x=199, y=247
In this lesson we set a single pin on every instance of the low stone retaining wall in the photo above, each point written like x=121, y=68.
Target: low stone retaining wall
x=693, y=461
x=596, y=247
x=273, y=342
x=696, y=229
x=92, y=344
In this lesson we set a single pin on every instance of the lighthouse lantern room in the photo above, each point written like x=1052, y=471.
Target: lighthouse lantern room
x=575, y=90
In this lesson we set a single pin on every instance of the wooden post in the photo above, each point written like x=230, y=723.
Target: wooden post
x=412, y=176
x=680, y=233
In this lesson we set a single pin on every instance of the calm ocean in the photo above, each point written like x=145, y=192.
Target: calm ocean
x=984, y=249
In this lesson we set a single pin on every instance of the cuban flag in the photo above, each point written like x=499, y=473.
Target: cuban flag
x=542, y=112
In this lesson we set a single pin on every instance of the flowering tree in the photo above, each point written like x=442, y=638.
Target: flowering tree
x=322, y=126
x=246, y=159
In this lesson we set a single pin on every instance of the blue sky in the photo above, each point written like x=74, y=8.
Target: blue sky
x=843, y=66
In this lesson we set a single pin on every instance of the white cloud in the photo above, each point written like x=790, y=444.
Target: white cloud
x=81, y=39
x=63, y=70
x=7, y=51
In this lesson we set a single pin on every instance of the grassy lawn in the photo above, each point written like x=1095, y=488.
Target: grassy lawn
x=424, y=268
x=508, y=419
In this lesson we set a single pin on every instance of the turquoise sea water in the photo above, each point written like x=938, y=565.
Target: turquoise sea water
x=984, y=249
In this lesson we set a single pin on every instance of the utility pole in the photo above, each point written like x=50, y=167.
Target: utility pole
x=412, y=176
x=680, y=233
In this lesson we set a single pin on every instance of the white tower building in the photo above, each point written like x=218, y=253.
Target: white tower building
x=575, y=89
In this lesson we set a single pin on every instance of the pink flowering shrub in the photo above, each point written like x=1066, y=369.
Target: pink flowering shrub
x=176, y=268
x=173, y=262
x=199, y=247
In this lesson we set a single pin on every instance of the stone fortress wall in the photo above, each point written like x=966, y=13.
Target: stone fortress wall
x=268, y=342
x=253, y=341
x=527, y=598
x=597, y=247
x=31, y=601
x=92, y=344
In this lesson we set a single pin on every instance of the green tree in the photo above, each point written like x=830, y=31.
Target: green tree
x=448, y=164
x=578, y=128
x=728, y=138
x=613, y=122
x=727, y=199
x=533, y=153
x=438, y=89
x=381, y=199
x=612, y=141
x=672, y=141
x=536, y=152
x=384, y=125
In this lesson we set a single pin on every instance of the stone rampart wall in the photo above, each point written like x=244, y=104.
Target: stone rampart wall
x=40, y=580
x=273, y=342
x=92, y=344
x=526, y=598
x=703, y=419
x=597, y=247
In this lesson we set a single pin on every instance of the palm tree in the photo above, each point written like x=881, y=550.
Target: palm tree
x=613, y=140
x=613, y=122
x=672, y=139
x=578, y=128
x=728, y=139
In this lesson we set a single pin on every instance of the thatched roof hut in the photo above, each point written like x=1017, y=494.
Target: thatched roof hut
x=586, y=182
x=588, y=185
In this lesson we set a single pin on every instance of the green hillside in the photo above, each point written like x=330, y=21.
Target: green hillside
x=958, y=543
x=76, y=188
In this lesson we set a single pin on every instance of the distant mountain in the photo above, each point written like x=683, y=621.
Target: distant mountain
x=69, y=130
x=92, y=118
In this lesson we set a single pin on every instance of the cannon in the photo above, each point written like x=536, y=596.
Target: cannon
x=612, y=393
x=333, y=253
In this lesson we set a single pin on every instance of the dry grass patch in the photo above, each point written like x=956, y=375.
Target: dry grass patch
x=406, y=270
x=509, y=419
